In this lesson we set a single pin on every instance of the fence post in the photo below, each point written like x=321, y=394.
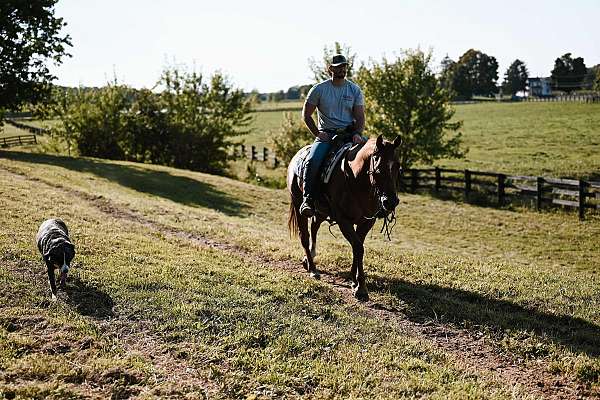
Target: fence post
x=265, y=155
x=582, y=196
x=253, y=153
x=275, y=161
x=467, y=183
x=539, y=192
x=501, y=185
x=414, y=175
x=243, y=148
x=438, y=179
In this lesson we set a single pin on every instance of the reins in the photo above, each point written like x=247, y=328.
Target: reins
x=389, y=219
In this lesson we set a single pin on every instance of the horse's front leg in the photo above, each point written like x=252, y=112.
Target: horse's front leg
x=358, y=251
x=361, y=231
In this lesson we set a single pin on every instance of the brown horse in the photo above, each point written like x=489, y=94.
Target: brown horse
x=361, y=190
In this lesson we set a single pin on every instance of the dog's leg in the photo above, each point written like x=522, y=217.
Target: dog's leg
x=51, y=279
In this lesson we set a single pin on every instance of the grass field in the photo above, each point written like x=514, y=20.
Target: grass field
x=548, y=139
x=187, y=284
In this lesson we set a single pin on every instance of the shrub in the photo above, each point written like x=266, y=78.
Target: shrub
x=189, y=124
x=292, y=136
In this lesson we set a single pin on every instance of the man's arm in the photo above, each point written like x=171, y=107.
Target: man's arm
x=307, y=112
x=358, y=112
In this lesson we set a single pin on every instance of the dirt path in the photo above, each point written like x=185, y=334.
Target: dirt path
x=470, y=351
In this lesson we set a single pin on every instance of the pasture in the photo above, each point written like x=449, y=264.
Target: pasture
x=188, y=284
x=546, y=139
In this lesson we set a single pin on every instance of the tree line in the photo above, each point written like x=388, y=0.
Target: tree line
x=475, y=73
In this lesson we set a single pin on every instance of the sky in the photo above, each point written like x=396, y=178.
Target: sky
x=266, y=44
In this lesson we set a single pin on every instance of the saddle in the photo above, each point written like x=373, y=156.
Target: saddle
x=341, y=146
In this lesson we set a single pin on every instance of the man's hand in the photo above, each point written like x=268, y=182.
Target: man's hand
x=324, y=136
x=357, y=139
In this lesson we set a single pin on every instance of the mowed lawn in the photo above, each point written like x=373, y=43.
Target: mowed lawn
x=151, y=311
x=546, y=139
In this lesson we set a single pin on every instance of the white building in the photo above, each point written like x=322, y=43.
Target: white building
x=539, y=87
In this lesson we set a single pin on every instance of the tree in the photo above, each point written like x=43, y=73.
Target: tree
x=29, y=38
x=597, y=82
x=405, y=97
x=479, y=71
x=319, y=68
x=455, y=78
x=515, y=78
x=448, y=67
x=590, y=77
x=203, y=118
x=568, y=73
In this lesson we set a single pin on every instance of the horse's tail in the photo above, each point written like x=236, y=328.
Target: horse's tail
x=293, y=218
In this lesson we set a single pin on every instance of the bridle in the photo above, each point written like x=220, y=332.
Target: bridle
x=388, y=216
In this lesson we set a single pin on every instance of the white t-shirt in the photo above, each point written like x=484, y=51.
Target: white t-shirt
x=335, y=103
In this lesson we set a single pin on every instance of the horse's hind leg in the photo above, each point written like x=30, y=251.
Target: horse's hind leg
x=314, y=229
x=308, y=260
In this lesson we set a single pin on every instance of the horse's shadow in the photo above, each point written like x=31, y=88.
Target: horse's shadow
x=426, y=302
x=88, y=300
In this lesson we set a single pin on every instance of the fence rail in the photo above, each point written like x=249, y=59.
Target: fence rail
x=33, y=129
x=543, y=191
x=17, y=140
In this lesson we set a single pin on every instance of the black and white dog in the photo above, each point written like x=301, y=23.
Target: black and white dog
x=57, y=250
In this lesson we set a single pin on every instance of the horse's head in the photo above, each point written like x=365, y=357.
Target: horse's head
x=384, y=169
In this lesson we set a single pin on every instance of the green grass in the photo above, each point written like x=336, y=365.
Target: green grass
x=144, y=308
x=526, y=282
x=549, y=139
x=263, y=125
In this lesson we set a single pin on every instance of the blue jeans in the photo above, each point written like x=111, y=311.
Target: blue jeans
x=318, y=152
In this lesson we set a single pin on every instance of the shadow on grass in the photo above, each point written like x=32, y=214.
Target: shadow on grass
x=88, y=300
x=179, y=189
x=427, y=302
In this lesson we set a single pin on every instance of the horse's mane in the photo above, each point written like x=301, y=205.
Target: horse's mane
x=362, y=156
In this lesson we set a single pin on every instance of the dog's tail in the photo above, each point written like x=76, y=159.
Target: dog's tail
x=293, y=216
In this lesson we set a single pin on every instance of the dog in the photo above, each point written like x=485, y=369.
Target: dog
x=57, y=250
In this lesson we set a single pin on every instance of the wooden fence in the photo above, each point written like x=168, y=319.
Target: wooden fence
x=542, y=191
x=253, y=153
x=17, y=140
x=33, y=129
x=582, y=98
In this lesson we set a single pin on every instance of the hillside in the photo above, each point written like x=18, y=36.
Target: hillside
x=188, y=284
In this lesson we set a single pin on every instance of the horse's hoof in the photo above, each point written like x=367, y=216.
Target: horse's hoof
x=315, y=274
x=361, y=294
x=305, y=263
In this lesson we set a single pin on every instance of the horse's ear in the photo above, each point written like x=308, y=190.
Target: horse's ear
x=397, y=141
x=379, y=142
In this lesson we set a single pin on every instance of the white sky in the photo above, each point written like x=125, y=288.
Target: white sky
x=266, y=44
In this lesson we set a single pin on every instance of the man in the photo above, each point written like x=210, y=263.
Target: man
x=340, y=106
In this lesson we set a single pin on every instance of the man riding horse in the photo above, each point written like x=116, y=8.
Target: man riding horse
x=340, y=108
x=359, y=187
